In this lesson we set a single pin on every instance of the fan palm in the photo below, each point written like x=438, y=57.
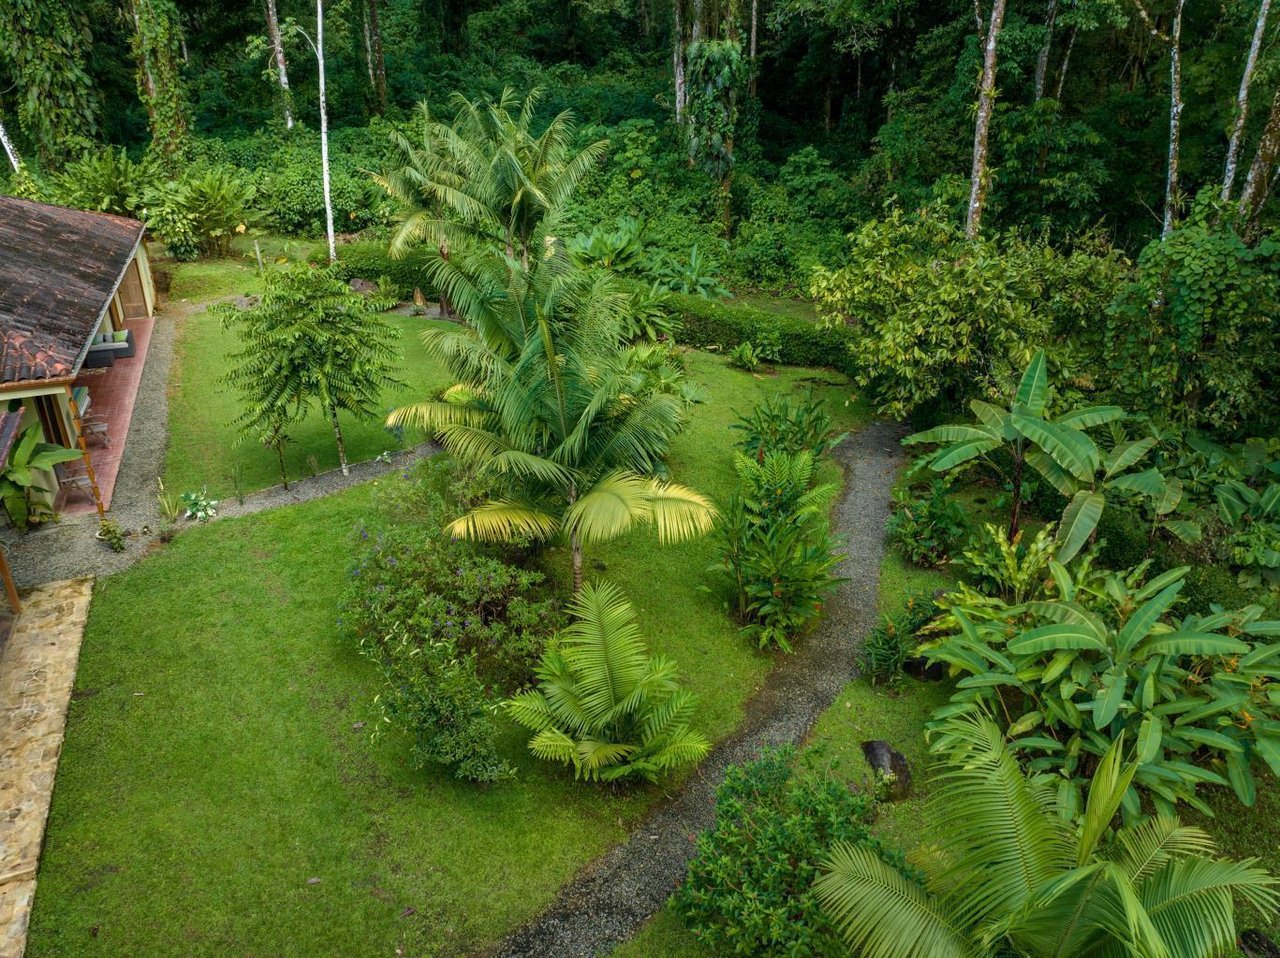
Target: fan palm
x=1014, y=876
x=603, y=705
x=551, y=404
x=484, y=177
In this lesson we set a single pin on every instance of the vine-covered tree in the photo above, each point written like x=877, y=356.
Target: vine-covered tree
x=46, y=45
x=310, y=339
x=716, y=72
x=157, y=42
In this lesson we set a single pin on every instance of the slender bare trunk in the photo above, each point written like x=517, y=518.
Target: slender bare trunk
x=1242, y=100
x=10, y=150
x=695, y=30
x=337, y=435
x=1175, y=122
x=282, y=69
x=755, y=19
x=324, y=160
x=575, y=544
x=1042, y=61
x=982, y=126
x=677, y=57
x=284, y=473
x=1066, y=60
x=368, y=43
x=379, y=61
x=1257, y=184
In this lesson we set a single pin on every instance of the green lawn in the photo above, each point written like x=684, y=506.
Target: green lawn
x=215, y=763
x=204, y=447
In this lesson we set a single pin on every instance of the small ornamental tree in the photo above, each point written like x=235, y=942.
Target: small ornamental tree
x=310, y=339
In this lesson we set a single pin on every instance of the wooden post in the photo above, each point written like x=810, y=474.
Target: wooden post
x=84, y=450
x=10, y=589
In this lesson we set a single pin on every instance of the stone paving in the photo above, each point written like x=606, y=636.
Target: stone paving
x=37, y=672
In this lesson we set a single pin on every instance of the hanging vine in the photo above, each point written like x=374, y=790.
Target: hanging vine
x=157, y=44
x=47, y=46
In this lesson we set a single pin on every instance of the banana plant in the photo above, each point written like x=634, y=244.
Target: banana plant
x=1060, y=450
x=1254, y=516
x=28, y=458
x=1200, y=696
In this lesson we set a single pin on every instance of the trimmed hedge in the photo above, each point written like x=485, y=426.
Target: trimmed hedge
x=369, y=260
x=711, y=323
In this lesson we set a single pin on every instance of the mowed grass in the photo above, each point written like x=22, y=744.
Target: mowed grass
x=206, y=448
x=219, y=793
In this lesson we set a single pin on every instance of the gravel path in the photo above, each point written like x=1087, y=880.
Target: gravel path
x=607, y=904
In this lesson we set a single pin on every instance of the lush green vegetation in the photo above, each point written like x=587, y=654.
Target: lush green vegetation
x=1041, y=232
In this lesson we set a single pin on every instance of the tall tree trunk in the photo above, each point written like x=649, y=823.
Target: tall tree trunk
x=145, y=74
x=10, y=150
x=1066, y=61
x=1175, y=122
x=324, y=164
x=379, y=61
x=337, y=435
x=755, y=19
x=1042, y=61
x=982, y=126
x=677, y=57
x=1242, y=100
x=368, y=43
x=1257, y=184
x=1173, y=40
x=282, y=70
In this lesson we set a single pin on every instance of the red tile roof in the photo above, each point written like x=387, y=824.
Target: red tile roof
x=59, y=269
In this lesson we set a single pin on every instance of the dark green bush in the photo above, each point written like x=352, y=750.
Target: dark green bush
x=1123, y=538
x=1207, y=585
x=884, y=654
x=749, y=889
x=708, y=323
x=369, y=260
x=927, y=525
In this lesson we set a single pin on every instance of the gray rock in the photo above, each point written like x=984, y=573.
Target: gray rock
x=891, y=765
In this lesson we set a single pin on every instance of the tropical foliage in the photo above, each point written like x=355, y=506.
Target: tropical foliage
x=604, y=705
x=1013, y=875
x=24, y=489
x=1096, y=658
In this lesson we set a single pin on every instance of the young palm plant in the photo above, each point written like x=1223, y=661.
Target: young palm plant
x=1013, y=876
x=484, y=177
x=603, y=705
x=550, y=404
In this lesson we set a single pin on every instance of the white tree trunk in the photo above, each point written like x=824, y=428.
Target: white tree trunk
x=1258, y=182
x=677, y=57
x=1242, y=101
x=755, y=19
x=1175, y=122
x=1066, y=61
x=368, y=43
x=324, y=138
x=1042, y=61
x=282, y=71
x=982, y=126
x=10, y=150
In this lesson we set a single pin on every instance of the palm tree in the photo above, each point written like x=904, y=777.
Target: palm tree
x=603, y=705
x=1013, y=876
x=485, y=177
x=551, y=404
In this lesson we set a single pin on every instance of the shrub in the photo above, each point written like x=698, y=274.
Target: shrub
x=1123, y=538
x=1206, y=586
x=414, y=580
x=745, y=357
x=749, y=888
x=104, y=182
x=708, y=323
x=603, y=704
x=891, y=643
x=370, y=261
x=777, y=550
x=787, y=424
x=433, y=692
x=927, y=527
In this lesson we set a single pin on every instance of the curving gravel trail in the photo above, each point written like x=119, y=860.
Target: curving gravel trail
x=606, y=904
